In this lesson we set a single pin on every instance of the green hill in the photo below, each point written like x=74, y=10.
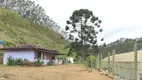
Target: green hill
x=15, y=29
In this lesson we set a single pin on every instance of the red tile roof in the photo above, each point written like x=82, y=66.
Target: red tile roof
x=30, y=47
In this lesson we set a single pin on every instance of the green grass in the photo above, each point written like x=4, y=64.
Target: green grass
x=14, y=28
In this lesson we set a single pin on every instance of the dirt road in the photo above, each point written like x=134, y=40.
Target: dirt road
x=60, y=72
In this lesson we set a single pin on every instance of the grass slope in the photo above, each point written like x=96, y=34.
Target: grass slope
x=14, y=28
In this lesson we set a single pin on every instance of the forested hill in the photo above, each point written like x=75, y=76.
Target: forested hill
x=121, y=45
x=16, y=29
x=33, y=12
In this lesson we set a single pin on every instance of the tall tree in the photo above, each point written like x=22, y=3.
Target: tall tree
x=83, y=25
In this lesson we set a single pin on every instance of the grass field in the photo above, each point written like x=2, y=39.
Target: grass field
x=60, y=72
x=15, y=29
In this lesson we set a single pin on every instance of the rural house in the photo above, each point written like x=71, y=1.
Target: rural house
x=30, y=52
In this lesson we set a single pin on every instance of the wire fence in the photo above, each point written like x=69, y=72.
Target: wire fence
x=124, y=70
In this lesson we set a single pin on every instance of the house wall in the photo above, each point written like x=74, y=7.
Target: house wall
x=47, y=58
x=19, y=54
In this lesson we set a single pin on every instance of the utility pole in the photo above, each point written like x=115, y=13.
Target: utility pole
x=135, y=60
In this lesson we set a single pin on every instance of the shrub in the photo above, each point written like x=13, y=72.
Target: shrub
x=90, y=62
x=25, y=61
x=11, y=61
x=28, y=63
x=19, y=61
x=40, y=62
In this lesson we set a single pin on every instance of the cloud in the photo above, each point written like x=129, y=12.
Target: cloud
x=120, y=18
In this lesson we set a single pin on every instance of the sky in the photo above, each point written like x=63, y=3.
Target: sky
x=120, y=18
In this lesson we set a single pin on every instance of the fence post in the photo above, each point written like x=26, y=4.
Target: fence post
x=101, y=61
x=135, y=60
x=113, y=61
x=98, y=60
x=108, y=61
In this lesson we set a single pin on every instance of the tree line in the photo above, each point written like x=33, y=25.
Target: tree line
x=121, y=45
x=31, y=11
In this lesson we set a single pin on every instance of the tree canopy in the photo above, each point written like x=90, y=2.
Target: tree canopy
x=83, y=27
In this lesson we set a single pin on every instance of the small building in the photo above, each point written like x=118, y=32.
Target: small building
x=70, y=59
x=30, y=52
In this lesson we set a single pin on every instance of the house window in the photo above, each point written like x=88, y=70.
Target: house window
x=39, y=55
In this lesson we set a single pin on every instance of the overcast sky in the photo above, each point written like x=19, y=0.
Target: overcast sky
x=120, y=18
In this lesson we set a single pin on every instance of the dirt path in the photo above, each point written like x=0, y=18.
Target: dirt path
x=61, y=72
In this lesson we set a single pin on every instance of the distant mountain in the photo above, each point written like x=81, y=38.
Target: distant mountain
x=121, y=45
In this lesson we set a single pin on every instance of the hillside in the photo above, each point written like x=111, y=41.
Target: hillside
x=122, y=45
x=15, y=29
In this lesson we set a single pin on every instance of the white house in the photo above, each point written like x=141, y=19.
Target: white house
x=29, y=52
x=70, y=59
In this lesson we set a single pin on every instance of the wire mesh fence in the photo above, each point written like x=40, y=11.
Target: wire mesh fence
x=126, y=66
x=124, y=70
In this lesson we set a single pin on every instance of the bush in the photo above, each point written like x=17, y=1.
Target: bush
x=19, y=61
x=40, y=62
x=90, y=62
x=11, y=61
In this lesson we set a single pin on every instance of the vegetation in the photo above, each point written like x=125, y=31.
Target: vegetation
x=11, y=61
x=8, y=43
x=23, y=62
x=90, y=62
x=84, y=24
x=31, y=11
x=16, y=30
x=121, y=45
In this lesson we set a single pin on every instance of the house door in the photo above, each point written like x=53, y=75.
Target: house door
x=39, y=55
x=53, y=57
